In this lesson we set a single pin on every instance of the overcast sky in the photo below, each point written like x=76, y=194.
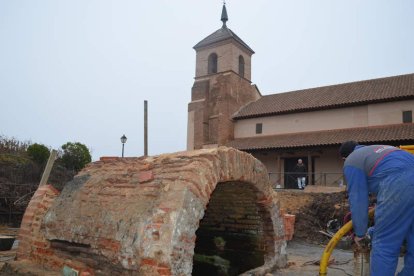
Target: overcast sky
x=80, y=70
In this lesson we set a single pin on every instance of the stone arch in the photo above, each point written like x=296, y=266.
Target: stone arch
x=140, y=215
x=212, y=63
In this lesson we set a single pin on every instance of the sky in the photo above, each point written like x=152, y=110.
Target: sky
x=80, y=70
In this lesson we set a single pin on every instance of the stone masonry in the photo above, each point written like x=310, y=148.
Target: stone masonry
x=139, y=216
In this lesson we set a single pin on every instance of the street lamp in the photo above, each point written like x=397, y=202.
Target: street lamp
x=123, y=141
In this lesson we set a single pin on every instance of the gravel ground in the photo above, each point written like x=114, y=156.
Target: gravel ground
x=303, y=259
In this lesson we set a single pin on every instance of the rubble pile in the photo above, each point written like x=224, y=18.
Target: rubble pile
x=314, y=216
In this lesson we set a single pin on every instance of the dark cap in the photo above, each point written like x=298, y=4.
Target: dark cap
x=347, y=148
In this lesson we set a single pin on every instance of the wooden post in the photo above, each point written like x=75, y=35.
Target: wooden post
x=48, y=169
x=279, y=171
x=310, y=179
x=145, y=128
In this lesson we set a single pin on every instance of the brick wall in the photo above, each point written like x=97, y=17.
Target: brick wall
x=32, y=242
x=140, y=215
x=214, y=101
x=31, y=239
x=228, y=53
x=232, y=210
x=233, y=216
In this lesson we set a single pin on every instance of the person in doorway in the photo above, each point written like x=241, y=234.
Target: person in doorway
x=387, y=172
x=300, y=173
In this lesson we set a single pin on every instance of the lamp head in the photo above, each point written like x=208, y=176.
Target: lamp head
x=123, y=139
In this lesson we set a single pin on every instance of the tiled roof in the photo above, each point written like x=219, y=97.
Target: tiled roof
x=340, y=95
x=378, y=134
x=220, y=35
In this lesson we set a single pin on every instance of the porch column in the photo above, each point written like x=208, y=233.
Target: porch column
x=310, y=176
x=279, y=171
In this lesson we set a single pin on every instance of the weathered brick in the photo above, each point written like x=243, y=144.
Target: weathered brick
x=109, y=220
x=108, y=158
x=164, y=271
x=51, y=191
x=150, y=262
x=26, y=231
x=145, y=176
x=109, y=244
x=44, y=251
x=41, y=244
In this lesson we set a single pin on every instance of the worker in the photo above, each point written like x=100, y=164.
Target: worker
x=387, y=172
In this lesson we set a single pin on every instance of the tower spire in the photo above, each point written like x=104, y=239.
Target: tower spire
x=224, y=16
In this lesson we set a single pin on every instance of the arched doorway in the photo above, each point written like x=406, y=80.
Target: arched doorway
x=234, y=233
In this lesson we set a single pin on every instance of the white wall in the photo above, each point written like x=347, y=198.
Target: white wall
x=349, y=117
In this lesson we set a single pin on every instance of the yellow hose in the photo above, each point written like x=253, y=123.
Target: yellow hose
x=341, y=232
x=409, y=148
x=323, y=268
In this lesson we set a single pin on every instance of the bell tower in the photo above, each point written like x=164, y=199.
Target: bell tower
x=222, y=85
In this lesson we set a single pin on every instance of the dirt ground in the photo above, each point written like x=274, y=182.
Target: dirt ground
x=313, y=211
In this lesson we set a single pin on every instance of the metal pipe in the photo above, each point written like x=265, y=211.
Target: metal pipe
x=362, y=261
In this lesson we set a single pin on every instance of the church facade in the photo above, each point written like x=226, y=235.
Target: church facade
x=278, y=129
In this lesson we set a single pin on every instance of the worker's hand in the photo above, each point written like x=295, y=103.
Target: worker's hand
x=362, y=242
x=357, y=240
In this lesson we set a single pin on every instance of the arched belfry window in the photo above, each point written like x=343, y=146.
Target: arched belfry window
x=212, y=63
x=241, y=66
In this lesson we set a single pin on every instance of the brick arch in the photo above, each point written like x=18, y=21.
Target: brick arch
x=236, y=216
x=206, y=170
x=141, y=214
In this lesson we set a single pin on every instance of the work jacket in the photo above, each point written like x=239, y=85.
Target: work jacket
x=364, y=169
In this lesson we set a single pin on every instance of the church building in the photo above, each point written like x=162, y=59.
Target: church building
x=226, y=109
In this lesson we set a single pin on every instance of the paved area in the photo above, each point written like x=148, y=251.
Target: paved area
x=303, y=259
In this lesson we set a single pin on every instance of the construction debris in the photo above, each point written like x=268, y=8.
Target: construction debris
x=313, y=211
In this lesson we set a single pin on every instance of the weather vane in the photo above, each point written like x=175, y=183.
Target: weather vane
x=224, y=2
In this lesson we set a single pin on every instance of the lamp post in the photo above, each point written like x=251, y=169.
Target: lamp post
x=123, y=141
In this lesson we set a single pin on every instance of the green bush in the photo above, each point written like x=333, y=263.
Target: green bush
x=75, y=156
x=38, y=153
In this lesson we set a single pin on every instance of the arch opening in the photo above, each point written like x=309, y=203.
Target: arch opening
x=212, y=63
x=241, y=66
x=235, y=234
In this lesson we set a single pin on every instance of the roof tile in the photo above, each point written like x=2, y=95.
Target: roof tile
x=347, y=94
x=221, y=35
x=377, y=134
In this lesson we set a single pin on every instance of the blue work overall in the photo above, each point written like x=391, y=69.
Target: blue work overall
x=387, y=172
